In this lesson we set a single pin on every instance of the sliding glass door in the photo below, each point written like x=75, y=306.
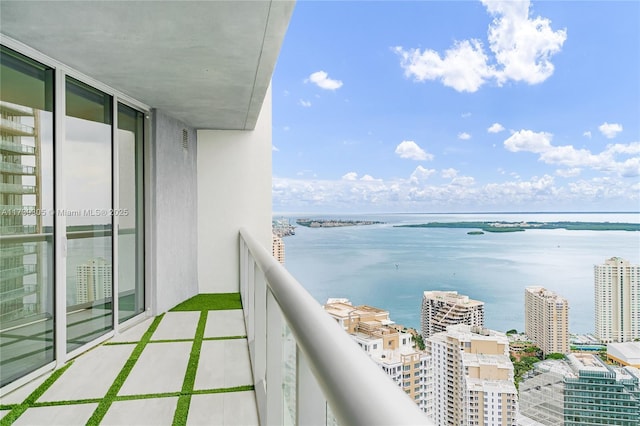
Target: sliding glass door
x=89, y=204
x=95, y=147
x=26, y=222
x=130, y=213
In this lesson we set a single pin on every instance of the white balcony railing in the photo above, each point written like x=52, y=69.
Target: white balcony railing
x=329, y=378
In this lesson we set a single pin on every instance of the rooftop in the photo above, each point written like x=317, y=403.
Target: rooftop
x=628, y=352
x=452, y=297
x=464, y=332
x=342, y=308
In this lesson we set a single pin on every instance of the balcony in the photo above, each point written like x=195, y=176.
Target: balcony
x=269, y=355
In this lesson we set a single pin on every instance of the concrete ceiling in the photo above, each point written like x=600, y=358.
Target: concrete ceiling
x=207, y=63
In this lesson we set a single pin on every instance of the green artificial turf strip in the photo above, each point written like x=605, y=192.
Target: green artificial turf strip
x=225, y=338
x=171, y=341
x=182, y=409
x=224, y=390
x=19, y=409
x=119, y=343
x=67, y=402
x=108, y=399
x=210, y=302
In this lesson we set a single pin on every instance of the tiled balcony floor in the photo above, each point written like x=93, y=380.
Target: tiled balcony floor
x=185, y=367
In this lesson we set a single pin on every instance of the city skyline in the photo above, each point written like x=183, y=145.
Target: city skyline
x=432, y=106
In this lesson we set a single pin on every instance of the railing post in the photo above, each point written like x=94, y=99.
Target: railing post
x=275, y=396
x=260, y=338
x=250, y=311
x=244, y=253
x=310, y=402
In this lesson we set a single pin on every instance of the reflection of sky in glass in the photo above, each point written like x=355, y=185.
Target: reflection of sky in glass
x=87, y=169
x=359, y=263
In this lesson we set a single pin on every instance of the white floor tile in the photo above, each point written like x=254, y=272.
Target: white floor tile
x=225, y=323
x=63, y=415
x=160, y=368
x=223, y=364
x=229, y=409
x=177, y=325
x=133, y=334
x=153, y=412
x=91, y=374
x=20, y=394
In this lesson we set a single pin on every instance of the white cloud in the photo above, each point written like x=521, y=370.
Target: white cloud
x=274, y=148
x=350, y=176
x=417, y=193
x=420, y=174
x=522, y=48
x=618, y=148
x=465, y=115
x=369, y=178
x=495, y=128
x=567, y=155
x=464, y=136
x=567, y=173
x=521, y=45
x=322, y=80
x=411, y=150
x=286, y=128
x=463, y=67
x=463, y=181
x=587, y=134
x=304, y=103
x=610, y=131
x=607, y=161
x=449, y=173
x=527, y=140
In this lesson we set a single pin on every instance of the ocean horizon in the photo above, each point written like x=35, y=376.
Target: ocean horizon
x=390, y=267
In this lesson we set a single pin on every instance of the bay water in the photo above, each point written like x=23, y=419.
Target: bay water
x=390, y=267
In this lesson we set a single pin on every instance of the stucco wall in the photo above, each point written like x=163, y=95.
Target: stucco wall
x=173, y=201
x=234, y=191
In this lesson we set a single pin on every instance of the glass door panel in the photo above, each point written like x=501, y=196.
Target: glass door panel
x=89, y=214
x=130, y=213
x=26, y=219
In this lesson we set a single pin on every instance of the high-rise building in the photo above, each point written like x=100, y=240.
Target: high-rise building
x=393, y=350
x=473, y=377
x=277, y=248
x=617, y=301
x=441, y=309
x=20, y=203
x=598, y=394
x=93, y=281
x=546, y=320
x=541, y=394
x=581, y=390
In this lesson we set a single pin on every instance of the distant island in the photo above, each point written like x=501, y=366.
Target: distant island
x=522, y=226
x=334, y=223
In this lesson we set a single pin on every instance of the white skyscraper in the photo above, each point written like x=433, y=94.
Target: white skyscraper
x=441, y=309
x=546, y=320
x=473, y=377
x=93, y=281
x=617, y=301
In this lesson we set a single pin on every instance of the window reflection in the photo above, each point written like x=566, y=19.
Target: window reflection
x=26, y=225
x=130, y=213
x=88, y=197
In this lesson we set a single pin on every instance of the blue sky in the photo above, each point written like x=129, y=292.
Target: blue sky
x=426, y=106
